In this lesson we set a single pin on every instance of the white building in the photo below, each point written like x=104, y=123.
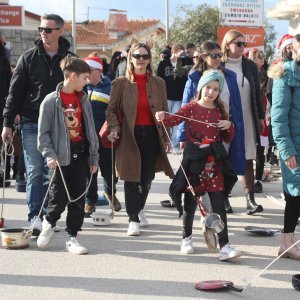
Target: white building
x=287, y=10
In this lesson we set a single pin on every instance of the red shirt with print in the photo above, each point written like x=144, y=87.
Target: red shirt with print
x=72, y=109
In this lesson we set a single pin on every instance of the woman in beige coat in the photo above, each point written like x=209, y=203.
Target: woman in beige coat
x=142, y=150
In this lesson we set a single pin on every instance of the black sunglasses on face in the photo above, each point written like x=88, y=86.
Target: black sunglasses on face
x=240, y=44
x=216, y=55
x=46, y=29
x=139, y=56
x=196, y=56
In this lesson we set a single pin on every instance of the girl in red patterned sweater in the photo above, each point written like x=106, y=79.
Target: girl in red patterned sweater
x=207, y=122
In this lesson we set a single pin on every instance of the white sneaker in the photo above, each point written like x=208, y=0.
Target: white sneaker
x=143, y=220
x=46, y=234
x=228, y=252
x=133, y=228
x=36, y=225
x=187, y=245
x=56, y=228
x=73, y=246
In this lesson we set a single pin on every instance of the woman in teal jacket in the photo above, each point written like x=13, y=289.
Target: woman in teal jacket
x=286, y=132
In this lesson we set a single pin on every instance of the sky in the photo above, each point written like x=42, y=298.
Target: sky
x=147, y=9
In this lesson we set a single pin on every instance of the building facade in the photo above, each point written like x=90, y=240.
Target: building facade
x=287, y=10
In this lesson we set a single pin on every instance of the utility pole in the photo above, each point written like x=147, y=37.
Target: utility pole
x=167, y=21
x=74, y=28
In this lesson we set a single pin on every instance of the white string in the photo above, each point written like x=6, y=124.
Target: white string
x=269, y=265
x=7, y=146
x=29, y=232
x=207, y=123
x=188, y=182
x=112, y=181
x=65, y=185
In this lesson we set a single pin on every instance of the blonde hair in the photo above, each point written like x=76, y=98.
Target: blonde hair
x=230, y=36
x=130, y=68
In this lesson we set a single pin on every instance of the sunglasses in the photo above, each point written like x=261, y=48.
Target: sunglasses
x=216, y=55
x=46, y=29
x=196, y=56
x=240, y=44
x=139, y=56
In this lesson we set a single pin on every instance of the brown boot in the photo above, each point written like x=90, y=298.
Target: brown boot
x=89, y=208
x=286, y=241
x=114, y=200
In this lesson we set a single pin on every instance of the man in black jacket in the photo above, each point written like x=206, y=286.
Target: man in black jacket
x=36, y=75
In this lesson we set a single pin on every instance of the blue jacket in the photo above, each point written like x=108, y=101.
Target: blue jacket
x=237, y=146
x=285, y=120
x=99, y=97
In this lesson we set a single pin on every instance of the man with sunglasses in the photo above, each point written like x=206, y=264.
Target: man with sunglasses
x=36, y=75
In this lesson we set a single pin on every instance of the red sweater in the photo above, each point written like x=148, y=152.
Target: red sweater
x=144, y=114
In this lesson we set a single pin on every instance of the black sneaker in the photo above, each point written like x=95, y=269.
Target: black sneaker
x=258, y=188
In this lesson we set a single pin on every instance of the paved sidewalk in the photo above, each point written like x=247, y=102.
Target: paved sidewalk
x=149, y=266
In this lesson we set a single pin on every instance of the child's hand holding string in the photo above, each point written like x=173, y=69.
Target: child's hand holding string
x=160, y=115
x=224, y=124
x=51, y=163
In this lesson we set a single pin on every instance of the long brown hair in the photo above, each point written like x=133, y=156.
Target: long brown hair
x=229, y=36
x=130, y=68
x=205, y=49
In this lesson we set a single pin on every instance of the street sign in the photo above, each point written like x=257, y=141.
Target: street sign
x=254, y=36
x=242, y=12
x=11, y=16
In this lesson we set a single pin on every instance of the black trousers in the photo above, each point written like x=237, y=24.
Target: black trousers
x=217, y=200
x=291, y=212
x=260, y=162
x=136, y=193
x=105, y=164
x=75, y=177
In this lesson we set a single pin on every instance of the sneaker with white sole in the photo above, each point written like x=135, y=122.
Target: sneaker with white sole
x=187, y=245
x=56, y=228
x=133, y=228
x=143, y=220
x=228, y=252
x=46, y=234
x=74, y=247
x=36, y=225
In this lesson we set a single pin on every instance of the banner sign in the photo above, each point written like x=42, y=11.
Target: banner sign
x=242, y=12
x=11, y=16
x=255, y=37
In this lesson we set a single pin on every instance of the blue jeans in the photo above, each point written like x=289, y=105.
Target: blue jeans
x=36, y=170
x=174, y=107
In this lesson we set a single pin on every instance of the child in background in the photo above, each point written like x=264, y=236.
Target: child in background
x=99, y=90
x=207, y=127
x=66, y=136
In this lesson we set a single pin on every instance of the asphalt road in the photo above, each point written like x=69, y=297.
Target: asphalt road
x=149, y=266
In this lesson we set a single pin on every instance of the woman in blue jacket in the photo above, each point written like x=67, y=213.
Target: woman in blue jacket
x=286, y=132
x=210, y=58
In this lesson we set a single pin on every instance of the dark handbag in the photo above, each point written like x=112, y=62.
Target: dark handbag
x=104, y=132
